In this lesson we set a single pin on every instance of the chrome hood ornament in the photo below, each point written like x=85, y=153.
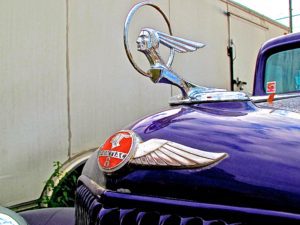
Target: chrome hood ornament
x=148, y=43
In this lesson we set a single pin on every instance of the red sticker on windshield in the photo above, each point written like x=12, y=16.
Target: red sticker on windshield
x=271, y=87
x=117, y=150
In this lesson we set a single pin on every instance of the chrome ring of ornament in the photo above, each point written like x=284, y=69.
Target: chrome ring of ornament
x=125, y=36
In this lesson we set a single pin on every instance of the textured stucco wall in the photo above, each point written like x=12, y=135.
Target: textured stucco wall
x=33, y=96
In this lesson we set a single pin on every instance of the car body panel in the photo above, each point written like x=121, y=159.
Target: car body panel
x=260, y=172
x=290, y=104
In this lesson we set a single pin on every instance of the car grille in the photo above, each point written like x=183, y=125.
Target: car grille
x=113, y=208
x=89, y=211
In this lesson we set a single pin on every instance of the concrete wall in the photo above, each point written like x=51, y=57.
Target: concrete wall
x=247, y=32
x=33, y=96
x=66, y=83
x=202, y=21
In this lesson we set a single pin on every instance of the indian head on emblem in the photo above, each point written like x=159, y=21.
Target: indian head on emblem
x=115, y=142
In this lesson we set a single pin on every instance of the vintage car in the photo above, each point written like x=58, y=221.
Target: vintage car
x=215, y=157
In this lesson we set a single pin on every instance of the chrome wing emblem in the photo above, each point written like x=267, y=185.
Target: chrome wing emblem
x=159, y=152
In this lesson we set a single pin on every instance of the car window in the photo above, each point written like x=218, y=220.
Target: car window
x=282, y=73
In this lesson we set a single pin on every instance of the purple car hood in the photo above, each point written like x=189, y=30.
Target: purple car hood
x=262, y=170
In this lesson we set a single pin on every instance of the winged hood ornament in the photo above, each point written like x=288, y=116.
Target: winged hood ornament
x=148, y=43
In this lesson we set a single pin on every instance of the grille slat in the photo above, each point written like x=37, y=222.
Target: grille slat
x=87, y=207
x=216, y=222
x=192, y=221
x=169, y=220
x=128, y=216
x=147, y=218
x=110, y=216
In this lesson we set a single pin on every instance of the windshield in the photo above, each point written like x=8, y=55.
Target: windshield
x=282, y=73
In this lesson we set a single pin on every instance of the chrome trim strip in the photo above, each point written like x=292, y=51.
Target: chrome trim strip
x=25, y=206
x=259, y=99
x=91, y=185
x=218, y=96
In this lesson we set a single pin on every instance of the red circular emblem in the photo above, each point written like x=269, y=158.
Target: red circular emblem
x=117, y=150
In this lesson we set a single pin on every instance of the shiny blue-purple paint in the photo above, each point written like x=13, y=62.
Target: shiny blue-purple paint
x=252, y=216
x=275, y=45
x=262, y=170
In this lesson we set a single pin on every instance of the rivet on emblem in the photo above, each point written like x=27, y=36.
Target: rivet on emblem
x=117, y=150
